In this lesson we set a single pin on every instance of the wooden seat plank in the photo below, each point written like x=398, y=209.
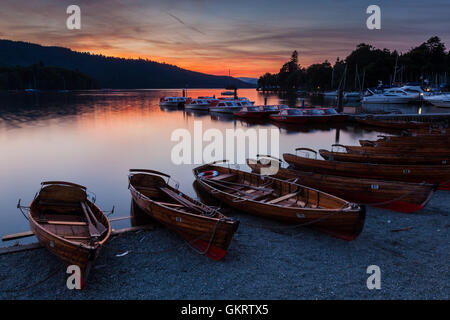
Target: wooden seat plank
x=282, y=198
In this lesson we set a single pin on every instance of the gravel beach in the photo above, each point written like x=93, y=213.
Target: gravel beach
x=267, y=260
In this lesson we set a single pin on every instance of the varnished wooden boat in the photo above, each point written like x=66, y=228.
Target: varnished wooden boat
x=393, y=124
x=281, y=200
x=433, y=174
x=205, y=228
x=400, y=158
x=397, y=196
x=69, y=225
x=422, y=151
x=430, y=141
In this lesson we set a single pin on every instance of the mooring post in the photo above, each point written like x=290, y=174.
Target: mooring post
x=340, y=101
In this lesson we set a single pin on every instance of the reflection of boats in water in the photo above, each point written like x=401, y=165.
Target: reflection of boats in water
x=222, y=117
x=196, y=113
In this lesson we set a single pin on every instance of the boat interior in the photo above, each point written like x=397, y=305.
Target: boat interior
x=64, y=210
x=244, y=185
x=150, y=184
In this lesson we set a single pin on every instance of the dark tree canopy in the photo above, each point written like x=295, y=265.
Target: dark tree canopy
x=109, y=71
x=430, y=60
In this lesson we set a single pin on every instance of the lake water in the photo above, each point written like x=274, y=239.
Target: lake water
x=93, y=138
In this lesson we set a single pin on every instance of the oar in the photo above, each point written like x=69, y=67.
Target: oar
x=100, y=227
x=234, y=189
x=93, y=232
x=239, y=185
x=16, y=236
x=182, y=200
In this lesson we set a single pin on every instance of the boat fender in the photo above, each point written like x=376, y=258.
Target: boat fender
x=208, y=174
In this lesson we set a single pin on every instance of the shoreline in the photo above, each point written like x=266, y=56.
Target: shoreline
x=289, y=263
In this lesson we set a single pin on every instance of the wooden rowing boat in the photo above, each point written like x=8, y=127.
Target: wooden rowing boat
x=205, y=228
x=394, y=124
x=384, y=158
x=69, y=225
x=281, y=200
x=397, y=196
x=430, y=141
x=434, y=174
x=410, y=150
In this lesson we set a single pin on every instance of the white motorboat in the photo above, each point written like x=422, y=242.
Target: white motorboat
x=440, y=100
x=330, y=94
x=229, y=106
x=393, y=95
x=172, y=101
x=201, y=103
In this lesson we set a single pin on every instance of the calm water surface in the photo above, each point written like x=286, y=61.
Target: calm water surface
x=93, y=138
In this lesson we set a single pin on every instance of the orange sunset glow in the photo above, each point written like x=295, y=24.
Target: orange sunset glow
x=247, y=38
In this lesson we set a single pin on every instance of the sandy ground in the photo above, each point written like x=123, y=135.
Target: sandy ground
x=261, y=263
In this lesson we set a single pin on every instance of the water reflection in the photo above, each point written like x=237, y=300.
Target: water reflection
x=94, y=137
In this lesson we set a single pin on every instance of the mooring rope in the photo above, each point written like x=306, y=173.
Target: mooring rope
x=51, y=275
x=174, y=248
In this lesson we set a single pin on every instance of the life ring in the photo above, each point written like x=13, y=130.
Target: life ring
x=208, y=174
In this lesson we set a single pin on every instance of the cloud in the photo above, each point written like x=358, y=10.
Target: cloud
x=214, y=36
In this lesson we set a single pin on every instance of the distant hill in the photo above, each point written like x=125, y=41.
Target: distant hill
x=44, y=78
x=109, y=71
x=252, y=81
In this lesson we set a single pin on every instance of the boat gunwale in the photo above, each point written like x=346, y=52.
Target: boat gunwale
x=346, y=208
x=222, y=217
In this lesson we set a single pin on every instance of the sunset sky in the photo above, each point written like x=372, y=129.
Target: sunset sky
x=249, y=37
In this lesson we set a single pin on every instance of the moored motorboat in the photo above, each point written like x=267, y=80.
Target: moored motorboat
x=441, y=100
x=290, y=115
x=229, y=105
x=255, y=112
x=392, y=96
x=281, y=200
x=205, y=228
x=433, y=174
x=393, y=195
x=201, y=103
x=177, y=102
x=69, y=225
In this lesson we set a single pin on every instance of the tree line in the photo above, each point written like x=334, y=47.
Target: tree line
x=427, y=62
x=42, y=77
x=112, y=72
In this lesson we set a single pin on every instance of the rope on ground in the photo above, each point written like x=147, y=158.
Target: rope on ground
x=51, y=275
x=174, y=248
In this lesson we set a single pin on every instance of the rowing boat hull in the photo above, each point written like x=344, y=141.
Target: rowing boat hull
x=433, y=174
x=69, y=251
x=396, y=196
x=345, y=224
x=384, y=158
x=412, y=151
x=399, y=125
x=209, y=235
